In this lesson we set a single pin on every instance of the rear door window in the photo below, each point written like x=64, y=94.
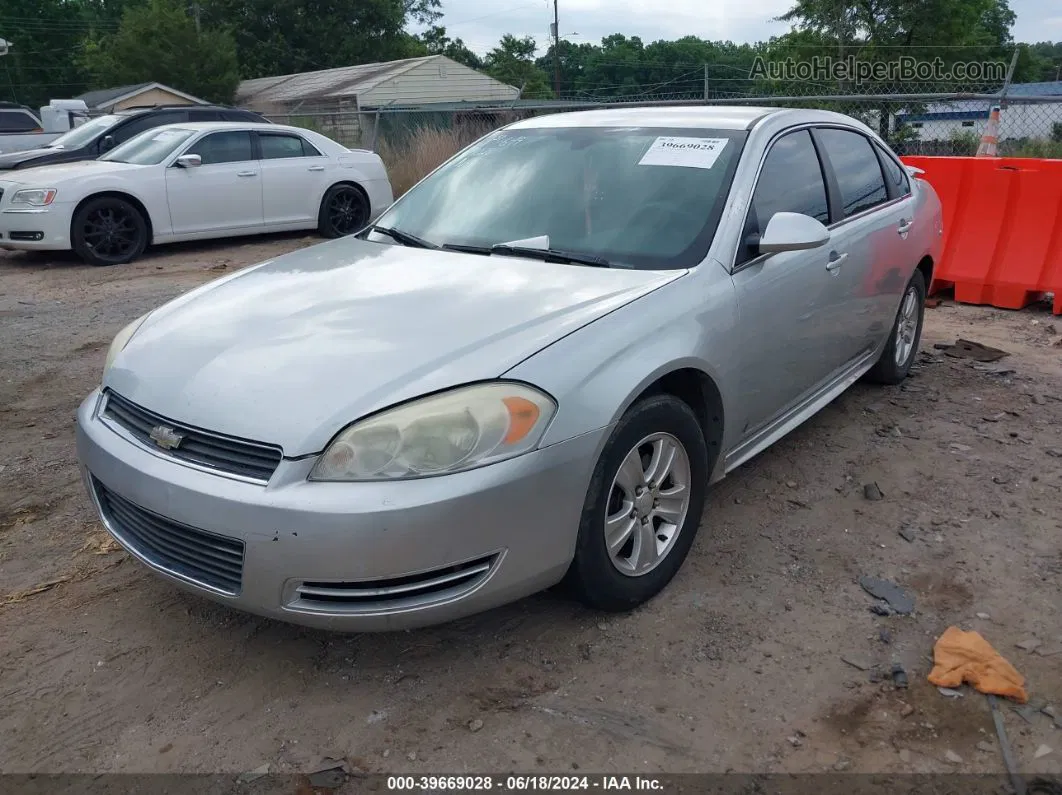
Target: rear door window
x=277, y=146
x=195, y=114
x=857, y=169
x=896, y=177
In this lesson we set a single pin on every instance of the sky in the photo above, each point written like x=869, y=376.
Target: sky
x=480, y=23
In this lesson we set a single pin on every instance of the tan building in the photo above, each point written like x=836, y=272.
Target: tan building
x=410, y=82
x=107, y=100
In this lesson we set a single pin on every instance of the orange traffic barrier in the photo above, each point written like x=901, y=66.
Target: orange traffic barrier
x=1002, y=228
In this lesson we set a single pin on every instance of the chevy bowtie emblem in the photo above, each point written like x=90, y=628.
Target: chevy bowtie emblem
x=166, y=438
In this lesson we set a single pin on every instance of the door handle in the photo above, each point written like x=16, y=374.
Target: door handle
x=246, y=173
x=315, y=168
x=835, y=261
x=904, y=227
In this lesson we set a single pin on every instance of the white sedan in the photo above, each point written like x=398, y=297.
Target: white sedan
x=190, y=182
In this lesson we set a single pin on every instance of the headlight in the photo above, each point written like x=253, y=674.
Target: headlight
x=450, y=432
x=121, y=339
x=36, y=197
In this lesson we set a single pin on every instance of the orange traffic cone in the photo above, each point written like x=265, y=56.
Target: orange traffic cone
x=990, y=140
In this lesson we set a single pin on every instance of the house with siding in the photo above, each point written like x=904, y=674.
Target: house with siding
x=1035, y=117
x=412, y=81
x=108, y=100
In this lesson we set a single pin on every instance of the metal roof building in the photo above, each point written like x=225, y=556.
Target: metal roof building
x=413, y=81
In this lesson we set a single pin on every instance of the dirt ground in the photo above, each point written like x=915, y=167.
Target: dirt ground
x=737, y=666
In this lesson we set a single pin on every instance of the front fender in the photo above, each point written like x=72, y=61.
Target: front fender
x=597, y=372
x=148, y=192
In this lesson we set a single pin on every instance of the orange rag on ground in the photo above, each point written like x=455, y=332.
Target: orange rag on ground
x=967, y=657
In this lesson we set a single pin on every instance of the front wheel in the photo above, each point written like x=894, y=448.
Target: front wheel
x=643, y=507
x=344, y=211
x=898, y=356
x=108, y=230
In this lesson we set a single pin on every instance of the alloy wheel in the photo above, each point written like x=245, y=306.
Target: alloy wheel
x=647, y=504
x=346, y=212
x=111, y=233
x=907, y=326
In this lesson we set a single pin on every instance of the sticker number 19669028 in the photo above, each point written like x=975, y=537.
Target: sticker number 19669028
x=689, y=152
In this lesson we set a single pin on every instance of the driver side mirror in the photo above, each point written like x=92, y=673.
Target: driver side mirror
x=107, y=143
x=792, y=232
x=189, y=161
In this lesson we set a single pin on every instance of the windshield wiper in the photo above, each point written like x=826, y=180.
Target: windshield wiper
x=551, y=255
x=544, y=254
x=466, y=249
x=404, y=238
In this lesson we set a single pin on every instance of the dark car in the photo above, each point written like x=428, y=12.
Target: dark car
x=15, y=118
x=98, y=135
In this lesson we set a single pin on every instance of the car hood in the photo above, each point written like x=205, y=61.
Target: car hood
x=291, y=351
x=55, y=173
x=12, y=159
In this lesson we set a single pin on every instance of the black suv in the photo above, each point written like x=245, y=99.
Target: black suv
x=103, y=133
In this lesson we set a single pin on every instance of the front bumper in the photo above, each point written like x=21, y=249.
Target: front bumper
x=49, y=227
x=521, y=515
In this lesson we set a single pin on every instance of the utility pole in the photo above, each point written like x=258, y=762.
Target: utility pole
x=195, y=15
x=556, y=51
x=841, y=36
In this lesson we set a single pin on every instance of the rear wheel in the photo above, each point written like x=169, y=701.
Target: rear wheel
x=643, y=507
x=108, y=230
x=344, y=211
x=898, y=356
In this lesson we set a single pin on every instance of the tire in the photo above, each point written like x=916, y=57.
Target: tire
x=897, y=358
x=624, y=579
x=344, y=211
x=108, y=230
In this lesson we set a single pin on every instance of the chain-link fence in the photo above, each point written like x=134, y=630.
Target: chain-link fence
x=414, y=139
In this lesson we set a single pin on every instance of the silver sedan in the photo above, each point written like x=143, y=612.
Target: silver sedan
x=528, y=371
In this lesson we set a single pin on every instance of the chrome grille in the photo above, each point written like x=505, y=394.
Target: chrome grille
x=192, y=554
x=255, y=460
x=397, y=592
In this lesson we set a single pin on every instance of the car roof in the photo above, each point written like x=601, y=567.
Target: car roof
x=718, y=117
x=199, y=126
x=138, y=110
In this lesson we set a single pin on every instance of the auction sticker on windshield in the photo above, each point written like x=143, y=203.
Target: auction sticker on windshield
x=689, y=152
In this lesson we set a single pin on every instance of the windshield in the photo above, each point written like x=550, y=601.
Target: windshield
x=149, y=148
x=79, y=136
x=636, y=197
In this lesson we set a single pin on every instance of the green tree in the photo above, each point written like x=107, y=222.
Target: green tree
x=884, y=30
x=513, y=62
x=276, y=37
x=436, y=42
x=44, y=36
x=159, y=42
x=1045, y=61
x=623, y=66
